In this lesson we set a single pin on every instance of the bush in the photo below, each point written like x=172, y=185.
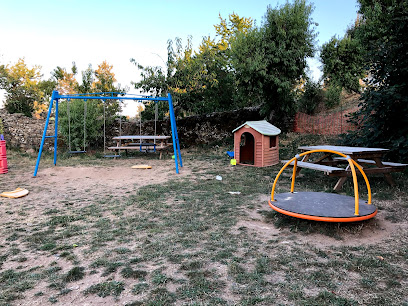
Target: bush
x=20, y=100
x=311, y=98
x=149, y=112
x=73, y=129
x=333, y=94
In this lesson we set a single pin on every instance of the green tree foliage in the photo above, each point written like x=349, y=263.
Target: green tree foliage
x=240, y=66
x=154, y=79
x=270, y=60
x=24, y=87
x=202, y=81
x=191, y=77
x=311, y=97
x=73, y=113
x=154, y=82
x=383, y=119
x=332, y=95
x=343, y=62
x=71, y=125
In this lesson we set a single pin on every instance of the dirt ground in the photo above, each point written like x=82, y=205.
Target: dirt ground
x=81, y=185
x=72, y=185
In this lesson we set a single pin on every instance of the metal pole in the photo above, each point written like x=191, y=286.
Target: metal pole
x=104, y=129
x=155, y=120
x=69, y=126
x=175, y=131
x=85, y=105
x=172, y=133
x=176, y=144
x=56, y=132
x=54, y=94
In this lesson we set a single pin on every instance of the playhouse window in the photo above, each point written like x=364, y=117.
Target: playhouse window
x=272, y=141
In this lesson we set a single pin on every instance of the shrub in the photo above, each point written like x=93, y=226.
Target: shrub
x=311, y=98
x=71, y=123
x=333, y=94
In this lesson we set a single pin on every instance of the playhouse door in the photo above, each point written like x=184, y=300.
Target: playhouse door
x=247, y=149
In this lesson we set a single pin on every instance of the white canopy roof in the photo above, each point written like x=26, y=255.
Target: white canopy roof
x=262, y=126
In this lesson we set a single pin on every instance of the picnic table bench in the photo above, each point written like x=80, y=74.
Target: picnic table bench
x=371, y=157
x=329, y=170
x=372, y=162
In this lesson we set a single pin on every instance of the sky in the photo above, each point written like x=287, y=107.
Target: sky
x=52, y=33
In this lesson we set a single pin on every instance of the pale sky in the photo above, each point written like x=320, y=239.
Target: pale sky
x=53, y=33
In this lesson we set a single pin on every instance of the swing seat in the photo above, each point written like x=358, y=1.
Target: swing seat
x=18, y=193
x=75, y=152
x=141, y=167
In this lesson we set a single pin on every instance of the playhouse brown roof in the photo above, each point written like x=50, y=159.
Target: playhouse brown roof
x=262, y=126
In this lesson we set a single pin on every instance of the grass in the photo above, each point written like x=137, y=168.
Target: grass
x=188, y=241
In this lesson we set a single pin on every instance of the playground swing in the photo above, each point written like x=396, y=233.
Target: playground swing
x=70, y=151
x=55, y=97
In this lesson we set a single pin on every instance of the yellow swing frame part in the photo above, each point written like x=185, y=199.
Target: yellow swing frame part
x=352, y=164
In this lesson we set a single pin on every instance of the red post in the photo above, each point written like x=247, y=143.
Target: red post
x=3, y=157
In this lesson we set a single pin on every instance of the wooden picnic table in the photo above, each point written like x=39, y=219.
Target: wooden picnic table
x=141, y=143
x=369, y=158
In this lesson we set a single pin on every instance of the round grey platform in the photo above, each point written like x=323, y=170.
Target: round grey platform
x=321, y=204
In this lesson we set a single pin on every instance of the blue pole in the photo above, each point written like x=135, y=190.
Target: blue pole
x=56, y=132
x=175, y=132
x=54, y=93
x=173, y=135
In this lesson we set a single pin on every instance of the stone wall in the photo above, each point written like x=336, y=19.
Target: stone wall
x=24, y=133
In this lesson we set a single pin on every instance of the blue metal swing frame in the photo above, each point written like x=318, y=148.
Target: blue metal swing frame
x=99, y=96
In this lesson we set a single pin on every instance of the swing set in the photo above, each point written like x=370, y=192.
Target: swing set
x=104, y=97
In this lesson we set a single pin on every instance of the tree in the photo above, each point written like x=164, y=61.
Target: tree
x=73, y=114
x=23, y=87
x=344, y=65
x=311, y=97
x=66, y=81
x=214, y=74
x=382, y=120
x=343, y=62
x=202, y=81
x=105, y=79
x=71, y=126
x=88, y=81
x=271, y=59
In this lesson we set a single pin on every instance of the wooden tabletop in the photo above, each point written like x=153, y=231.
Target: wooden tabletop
x=345, y=150
x=141, y=137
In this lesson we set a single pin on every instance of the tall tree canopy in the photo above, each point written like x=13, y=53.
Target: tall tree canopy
x=74, y=113
x=24, y=87
x=383, y=119
x=270, y=60
x=241, y=66
x=343, y=62
x=200, y=81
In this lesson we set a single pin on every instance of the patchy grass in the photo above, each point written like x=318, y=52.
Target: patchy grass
x=189, y=241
